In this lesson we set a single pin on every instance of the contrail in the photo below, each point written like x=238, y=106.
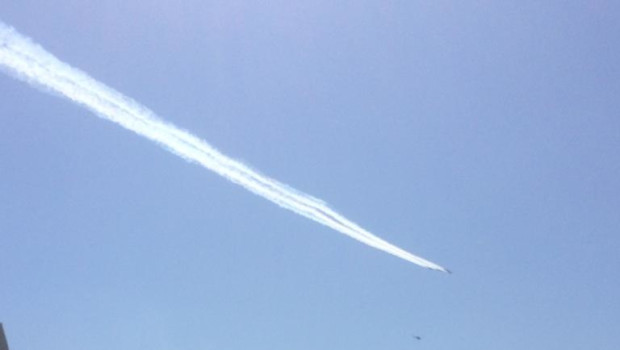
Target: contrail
x=22, y=58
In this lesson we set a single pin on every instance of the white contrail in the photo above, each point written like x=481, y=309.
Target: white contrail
x=24, y=59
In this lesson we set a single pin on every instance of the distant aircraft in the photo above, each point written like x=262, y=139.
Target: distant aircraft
x=417, y=337
x=3, y=344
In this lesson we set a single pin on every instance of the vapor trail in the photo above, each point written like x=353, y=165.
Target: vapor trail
x=24, y=59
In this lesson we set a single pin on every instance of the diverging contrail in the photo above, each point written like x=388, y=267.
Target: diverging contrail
x=21, y=57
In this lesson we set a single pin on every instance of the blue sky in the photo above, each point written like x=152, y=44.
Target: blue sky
x=481, y=136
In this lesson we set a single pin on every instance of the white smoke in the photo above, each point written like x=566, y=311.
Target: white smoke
x=27, y=61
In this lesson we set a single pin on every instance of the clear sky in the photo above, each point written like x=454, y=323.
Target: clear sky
x=483, y=136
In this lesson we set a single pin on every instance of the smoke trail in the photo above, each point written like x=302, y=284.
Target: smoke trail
x=27, y=61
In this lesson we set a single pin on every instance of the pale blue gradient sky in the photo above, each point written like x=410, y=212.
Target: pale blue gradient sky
x=482, y=136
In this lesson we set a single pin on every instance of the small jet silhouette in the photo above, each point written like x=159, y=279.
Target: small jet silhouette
x=417, y=337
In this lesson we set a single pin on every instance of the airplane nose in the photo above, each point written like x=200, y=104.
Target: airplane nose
x=3, y=343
